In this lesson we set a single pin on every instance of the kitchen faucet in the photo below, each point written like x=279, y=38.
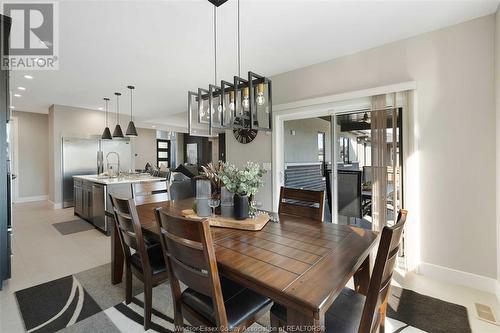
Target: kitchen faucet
x=117, y=156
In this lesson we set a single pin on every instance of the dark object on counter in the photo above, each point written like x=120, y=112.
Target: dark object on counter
x=241, y=207
x=185, y=171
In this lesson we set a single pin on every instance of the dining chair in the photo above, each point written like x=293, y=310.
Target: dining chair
x=181, y=189
x=352, y=311
x=146, y=263
x=304, y=203
x=148, y=188
x=211, y=301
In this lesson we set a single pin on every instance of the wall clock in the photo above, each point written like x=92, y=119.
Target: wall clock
x=244, y=135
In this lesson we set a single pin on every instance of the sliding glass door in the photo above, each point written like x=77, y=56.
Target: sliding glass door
x=368, y=158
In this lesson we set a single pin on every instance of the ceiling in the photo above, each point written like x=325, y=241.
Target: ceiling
x=165, y=48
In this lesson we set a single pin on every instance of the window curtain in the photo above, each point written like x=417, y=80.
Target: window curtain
x=381, y=159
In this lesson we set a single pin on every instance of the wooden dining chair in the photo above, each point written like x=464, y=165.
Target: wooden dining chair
x=304, y=203
x=148, y=188
x=211, y=301
x=147, y=262
x=352, y=311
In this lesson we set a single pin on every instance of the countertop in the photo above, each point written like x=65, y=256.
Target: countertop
x=120, y=180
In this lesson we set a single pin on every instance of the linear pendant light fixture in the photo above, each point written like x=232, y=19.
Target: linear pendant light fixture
x=131, y=130
x=106, y=135
x=118, y=133
x=243, y=103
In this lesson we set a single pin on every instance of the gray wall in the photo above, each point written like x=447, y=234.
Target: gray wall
x=454, y=72
x=33, y=159
x=259, y=151
x=303, y=146
x=144, y=147
x=497, y=91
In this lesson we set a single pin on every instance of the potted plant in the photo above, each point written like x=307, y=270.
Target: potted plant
x=244, y=183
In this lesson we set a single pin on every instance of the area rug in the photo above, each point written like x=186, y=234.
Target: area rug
x=73, y=226
x=87, y=302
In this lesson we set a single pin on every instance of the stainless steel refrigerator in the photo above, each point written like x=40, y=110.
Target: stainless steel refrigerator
x=87, y=156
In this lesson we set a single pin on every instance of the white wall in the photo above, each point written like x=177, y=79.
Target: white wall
x=454, y=72
x=303, y=146
x=32, y=159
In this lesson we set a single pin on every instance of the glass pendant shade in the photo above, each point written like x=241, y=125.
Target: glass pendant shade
x=118, y=133
x=260, y=102
x=228, y=104
x=198, y=113
x=241, y=117
x=215, y=100
x=131, y=130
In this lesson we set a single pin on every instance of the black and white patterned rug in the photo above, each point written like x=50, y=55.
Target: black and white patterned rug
x=87, y=302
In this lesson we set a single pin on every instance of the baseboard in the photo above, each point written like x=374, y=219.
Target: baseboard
x=55, y=205
x=462, y=278
x=32, y=199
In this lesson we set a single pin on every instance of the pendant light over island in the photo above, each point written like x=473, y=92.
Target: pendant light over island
x=131, y=130
x=118, y=133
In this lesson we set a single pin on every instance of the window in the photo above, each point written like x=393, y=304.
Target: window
x=321, y=146
x=163, y=153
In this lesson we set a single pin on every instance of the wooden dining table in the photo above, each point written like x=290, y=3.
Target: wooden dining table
x=300, y=263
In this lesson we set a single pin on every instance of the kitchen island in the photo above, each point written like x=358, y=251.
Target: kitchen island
x=92, y=201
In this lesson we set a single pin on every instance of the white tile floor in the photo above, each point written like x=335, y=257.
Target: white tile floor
x=42, y=254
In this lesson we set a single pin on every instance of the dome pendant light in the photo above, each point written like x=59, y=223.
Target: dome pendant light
x=131, y=131
x=106, y=135
x=117, y=133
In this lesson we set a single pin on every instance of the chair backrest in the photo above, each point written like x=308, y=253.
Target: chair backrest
x=190, y=257
x=148, y=188
x=129, y=228
x=181, y=190
x=349, y=193
x=378, y=290
x=305, y=203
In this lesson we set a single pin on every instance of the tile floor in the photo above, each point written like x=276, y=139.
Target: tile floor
x=42, y=254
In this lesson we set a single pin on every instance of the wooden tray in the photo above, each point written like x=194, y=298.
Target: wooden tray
x=254, y=224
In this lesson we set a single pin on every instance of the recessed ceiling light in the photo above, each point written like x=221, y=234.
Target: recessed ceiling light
x=100, y=108
x=18, y=95
x=154, y=126
x=21, y=88
x=29, y=77
x=12, y=107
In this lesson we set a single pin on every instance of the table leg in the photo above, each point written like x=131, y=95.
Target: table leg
x=117, y=258
x=298, y=321
x=362, y=277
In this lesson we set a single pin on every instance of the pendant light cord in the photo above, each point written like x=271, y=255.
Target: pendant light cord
x=215, y=43
x=130, y=104
x=106, y=111
x=117, y=109
x=239, y=43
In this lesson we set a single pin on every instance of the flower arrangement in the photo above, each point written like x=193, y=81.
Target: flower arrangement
x=211, y=172
x=245, y=181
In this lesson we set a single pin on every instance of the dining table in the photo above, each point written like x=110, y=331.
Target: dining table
x=300, y=263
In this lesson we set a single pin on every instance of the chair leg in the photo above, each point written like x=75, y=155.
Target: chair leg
x=383, y=309
x=148, y=303
x=178, y=319
x=128, y=284
x=276, y=323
